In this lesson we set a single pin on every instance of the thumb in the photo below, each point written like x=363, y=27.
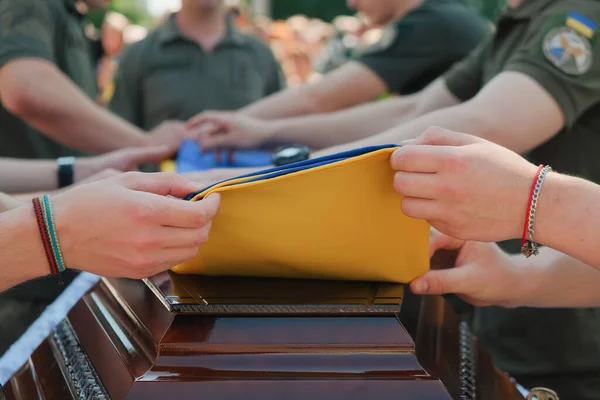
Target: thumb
x=440, y=241
x=135, y=157
x=161, y=183
x=210, y=206
x=437, y=136
x=453, y=280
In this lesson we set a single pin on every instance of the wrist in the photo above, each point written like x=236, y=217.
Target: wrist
x=549, y=200
x=528, y=283
x=25, y=238
x=273, y=131
x=521, y=201
x=65, y=171
x=82, y=169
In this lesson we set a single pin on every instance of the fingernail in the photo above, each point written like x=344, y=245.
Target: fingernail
x=421, y=286
x=407, y=141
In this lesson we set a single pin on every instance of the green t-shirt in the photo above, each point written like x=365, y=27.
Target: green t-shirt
x=51, y=30
x=556, y=43
x=424, y=44
x=167, y=76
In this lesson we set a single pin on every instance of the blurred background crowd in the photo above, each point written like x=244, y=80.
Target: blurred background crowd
x=309, y=38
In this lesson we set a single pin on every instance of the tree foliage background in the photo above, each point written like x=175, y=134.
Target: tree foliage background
x=130, y=8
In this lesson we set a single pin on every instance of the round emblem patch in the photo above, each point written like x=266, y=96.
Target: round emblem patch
x=568, y=51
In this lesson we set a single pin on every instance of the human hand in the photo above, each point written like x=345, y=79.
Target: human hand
x=169, y=133
x=129, y=159
x=482, y=275
x=216, y=175
x=464, y=186
x=133, y=225
x=228, y=129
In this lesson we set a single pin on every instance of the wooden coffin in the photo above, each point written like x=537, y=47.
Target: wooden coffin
x=184, y=337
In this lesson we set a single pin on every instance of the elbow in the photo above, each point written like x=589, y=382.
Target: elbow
x=21, y=88
x=19, y=102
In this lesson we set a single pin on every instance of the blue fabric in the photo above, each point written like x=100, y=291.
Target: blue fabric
x=190, y=158
x=301, y=165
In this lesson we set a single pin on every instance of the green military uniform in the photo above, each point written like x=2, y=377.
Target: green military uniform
x=556, y=43
x=425, y=43
x=167, y=76
x=50, y=30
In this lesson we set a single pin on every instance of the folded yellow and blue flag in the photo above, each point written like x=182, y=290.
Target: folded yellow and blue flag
x=334, y=217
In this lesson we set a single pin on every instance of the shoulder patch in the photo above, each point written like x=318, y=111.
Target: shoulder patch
x=568, y=50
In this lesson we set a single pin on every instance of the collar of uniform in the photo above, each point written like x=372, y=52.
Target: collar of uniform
x=233, y=34
x=169, y=31
x=526, y=10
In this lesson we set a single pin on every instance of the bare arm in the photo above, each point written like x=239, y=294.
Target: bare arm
x=36, y=91
x=533, y=114
x=349, y=85
x=18, y=175
x=554, y=279
x=22, y=253
x=485, y=275
x=568, y=217
x=320, y=131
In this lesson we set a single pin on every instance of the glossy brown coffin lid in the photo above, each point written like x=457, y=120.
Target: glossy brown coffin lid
x=141, y=350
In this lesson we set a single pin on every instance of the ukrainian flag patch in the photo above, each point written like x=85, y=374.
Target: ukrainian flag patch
x=581, y=24
x=568, y=46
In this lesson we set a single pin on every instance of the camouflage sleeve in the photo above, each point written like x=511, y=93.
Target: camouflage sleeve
x=562, y=52
x=27, y=29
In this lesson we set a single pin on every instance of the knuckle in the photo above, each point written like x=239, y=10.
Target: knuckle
x=432, y=133
x=408, y=208
x=436, y=284
x=401, y=159
x=455, y=162
x=143, y=213
x=147, y=242
x=450, y=190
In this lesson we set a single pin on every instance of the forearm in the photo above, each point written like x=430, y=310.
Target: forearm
x=347, y=86
x=48, y=101
x=19, y=175
x=360, y=122
x=8, y=202
x=568, y=217
x=458, y=118
x=22, y=256
x=554, y=279
x=284, y=104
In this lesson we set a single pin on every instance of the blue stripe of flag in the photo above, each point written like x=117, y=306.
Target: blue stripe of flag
x=586, y=21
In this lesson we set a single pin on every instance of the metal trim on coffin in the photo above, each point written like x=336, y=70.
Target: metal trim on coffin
x=271, y=309
x=468, y=362
x=79, y=372
x=289, y=310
